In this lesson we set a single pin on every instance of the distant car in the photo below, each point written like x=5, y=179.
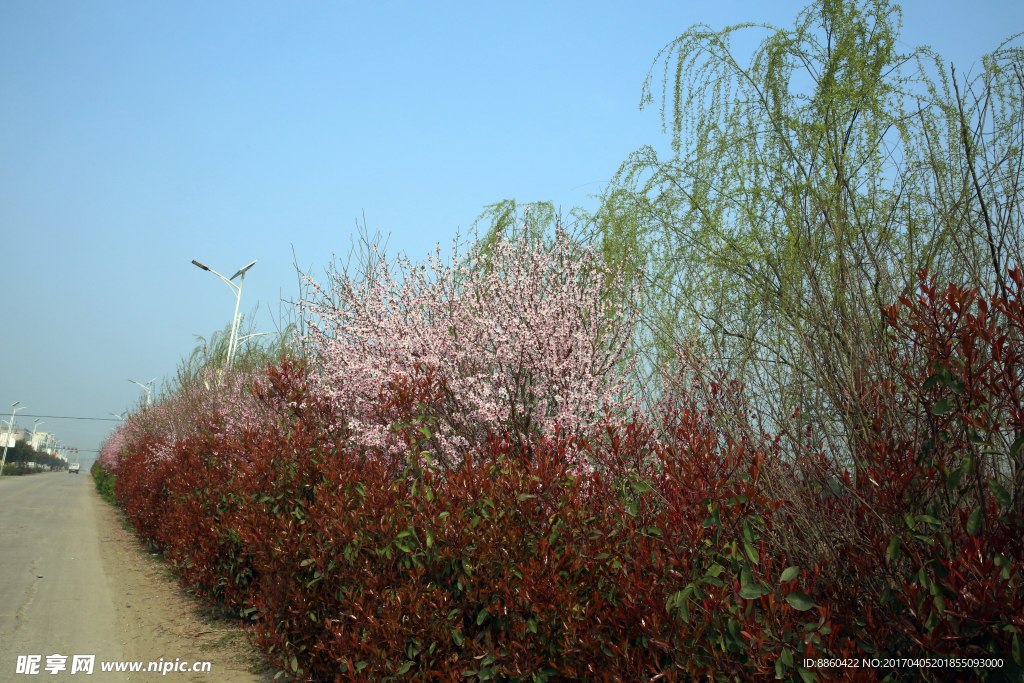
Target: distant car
x=73, y=468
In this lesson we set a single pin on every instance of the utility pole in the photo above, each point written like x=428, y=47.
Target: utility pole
x=10, y=430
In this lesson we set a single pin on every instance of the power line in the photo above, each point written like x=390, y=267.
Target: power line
x=68, y=417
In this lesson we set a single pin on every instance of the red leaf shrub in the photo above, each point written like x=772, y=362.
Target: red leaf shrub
x=680, y=554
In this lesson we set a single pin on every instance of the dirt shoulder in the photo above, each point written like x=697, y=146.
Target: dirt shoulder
x=162, y=620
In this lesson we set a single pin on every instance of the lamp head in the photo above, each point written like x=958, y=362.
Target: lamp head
x=242, y=271
x=200, y=265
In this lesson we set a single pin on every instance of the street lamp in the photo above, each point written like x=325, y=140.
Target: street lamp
x=238, y=342
x=35, y=426
x=10, y=430
x=237, y=290
x=149, y=393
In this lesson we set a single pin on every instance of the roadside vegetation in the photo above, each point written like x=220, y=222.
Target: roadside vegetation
x=761, y=409
x=23, y=459
x=104, y=480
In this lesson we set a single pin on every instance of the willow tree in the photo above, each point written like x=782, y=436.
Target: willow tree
x=805, y=187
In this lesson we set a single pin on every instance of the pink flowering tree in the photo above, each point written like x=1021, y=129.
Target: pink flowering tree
x=522, y=335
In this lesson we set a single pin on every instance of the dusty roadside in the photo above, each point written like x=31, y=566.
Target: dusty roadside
x=161, y=620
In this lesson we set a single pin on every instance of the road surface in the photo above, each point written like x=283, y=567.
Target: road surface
x=55, y=597
x=73, y=581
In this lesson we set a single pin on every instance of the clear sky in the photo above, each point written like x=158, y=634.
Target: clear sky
x=137, y=136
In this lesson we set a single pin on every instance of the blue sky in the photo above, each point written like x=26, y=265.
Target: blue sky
x=135, y=137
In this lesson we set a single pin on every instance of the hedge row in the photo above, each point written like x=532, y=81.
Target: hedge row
x=679, y=551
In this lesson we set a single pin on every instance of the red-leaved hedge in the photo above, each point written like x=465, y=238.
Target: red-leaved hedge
x=677, y=552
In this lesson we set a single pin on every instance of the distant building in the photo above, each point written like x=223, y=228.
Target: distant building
x=43, y=442
x=38, y=440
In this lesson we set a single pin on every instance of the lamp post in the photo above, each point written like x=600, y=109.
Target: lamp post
x=35, y=426
x=237, y=291
x=10, y=430
x=149, y=393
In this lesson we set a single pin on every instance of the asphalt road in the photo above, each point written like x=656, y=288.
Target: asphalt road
x=55, y=597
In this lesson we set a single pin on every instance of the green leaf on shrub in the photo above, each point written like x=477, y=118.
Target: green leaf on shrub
x=306, y=563
x=974, y=522
x=482, y=617
x=954, y=478
x=715, y=570
x=929, y=519
x=469, y=672
x=807, y=675
x=713, y=520
x=931, y=382
x=800, y=601
x=957, y=387
x=893, y=551
x=787, y=657
x=640, y=486
x=752, y=591
x=942, y=406
x=1017, y=444
x=405, y=667
x=751, y=553
x=1001, y=494
x=525, y=496
x=295, y=664
x=922, y=577
x=457, y=636
x=1017, y=651
x=789, y=574
x=681, y=600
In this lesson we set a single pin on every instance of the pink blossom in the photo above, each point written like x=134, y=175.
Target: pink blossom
x=525, y=337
